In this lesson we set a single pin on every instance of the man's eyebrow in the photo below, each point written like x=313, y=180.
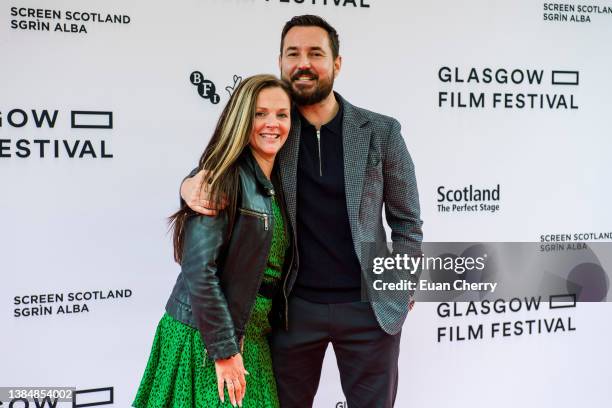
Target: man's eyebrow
x=314, y=48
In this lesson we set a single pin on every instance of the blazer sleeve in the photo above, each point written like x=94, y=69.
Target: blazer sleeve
x=400, y=190
x=205, y=238
x=401, y=197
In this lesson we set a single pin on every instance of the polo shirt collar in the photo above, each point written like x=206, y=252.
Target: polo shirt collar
x=334, y=125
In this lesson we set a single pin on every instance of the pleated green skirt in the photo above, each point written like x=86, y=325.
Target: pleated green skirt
x=176, y=376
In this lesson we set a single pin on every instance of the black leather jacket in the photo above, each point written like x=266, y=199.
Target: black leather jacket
x=221, y=272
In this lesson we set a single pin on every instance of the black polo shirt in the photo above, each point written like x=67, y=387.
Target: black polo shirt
x=329, y=270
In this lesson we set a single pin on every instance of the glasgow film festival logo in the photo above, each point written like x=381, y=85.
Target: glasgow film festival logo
x=207, y=88
x=84, y=136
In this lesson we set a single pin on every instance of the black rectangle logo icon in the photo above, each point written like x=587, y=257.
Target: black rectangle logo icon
x=91, y=120
x=562, y=301
x=93, y=397
x=565, y=77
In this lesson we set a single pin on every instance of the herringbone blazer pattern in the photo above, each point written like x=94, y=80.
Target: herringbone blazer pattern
x=378, y=170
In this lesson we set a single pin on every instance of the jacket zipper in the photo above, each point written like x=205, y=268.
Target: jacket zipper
x=319, y=146
x=265, y=217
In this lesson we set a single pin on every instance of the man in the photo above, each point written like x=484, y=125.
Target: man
x=339, y=166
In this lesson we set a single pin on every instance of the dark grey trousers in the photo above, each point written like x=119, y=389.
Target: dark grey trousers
x=366, y=355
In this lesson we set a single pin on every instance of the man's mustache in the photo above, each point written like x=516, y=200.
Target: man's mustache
x=304, y=72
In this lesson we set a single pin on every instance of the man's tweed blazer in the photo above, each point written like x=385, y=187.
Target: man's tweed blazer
x=377, y=170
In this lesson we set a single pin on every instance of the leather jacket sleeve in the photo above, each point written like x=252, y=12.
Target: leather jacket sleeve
x=205, y=238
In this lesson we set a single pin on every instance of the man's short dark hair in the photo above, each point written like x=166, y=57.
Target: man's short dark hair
x=309, y=20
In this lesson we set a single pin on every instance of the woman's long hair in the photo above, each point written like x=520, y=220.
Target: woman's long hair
x=231, y=136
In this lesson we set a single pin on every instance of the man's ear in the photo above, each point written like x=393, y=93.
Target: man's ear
x=337, y=66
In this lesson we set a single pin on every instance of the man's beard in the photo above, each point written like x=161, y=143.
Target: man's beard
x=302, y=97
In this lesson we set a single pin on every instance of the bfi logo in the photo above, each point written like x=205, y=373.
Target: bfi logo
x=206, y=88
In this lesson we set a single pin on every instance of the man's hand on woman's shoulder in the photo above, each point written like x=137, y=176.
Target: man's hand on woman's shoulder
x=197, y=197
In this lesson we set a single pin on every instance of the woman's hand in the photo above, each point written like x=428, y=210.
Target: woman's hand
x=230, y=371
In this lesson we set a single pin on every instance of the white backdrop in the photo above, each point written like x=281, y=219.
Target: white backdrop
x=87, y=224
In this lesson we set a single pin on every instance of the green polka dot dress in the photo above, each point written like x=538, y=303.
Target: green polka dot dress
x=175, y=375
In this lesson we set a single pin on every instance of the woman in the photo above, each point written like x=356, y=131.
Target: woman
x=210, y=346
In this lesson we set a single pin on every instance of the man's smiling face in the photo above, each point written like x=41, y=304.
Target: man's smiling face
x=308, y=65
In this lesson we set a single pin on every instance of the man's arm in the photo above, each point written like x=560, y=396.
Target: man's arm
x=400, y=191
x=401, y=198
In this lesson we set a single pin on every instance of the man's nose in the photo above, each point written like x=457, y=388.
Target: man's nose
x=304, y=62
